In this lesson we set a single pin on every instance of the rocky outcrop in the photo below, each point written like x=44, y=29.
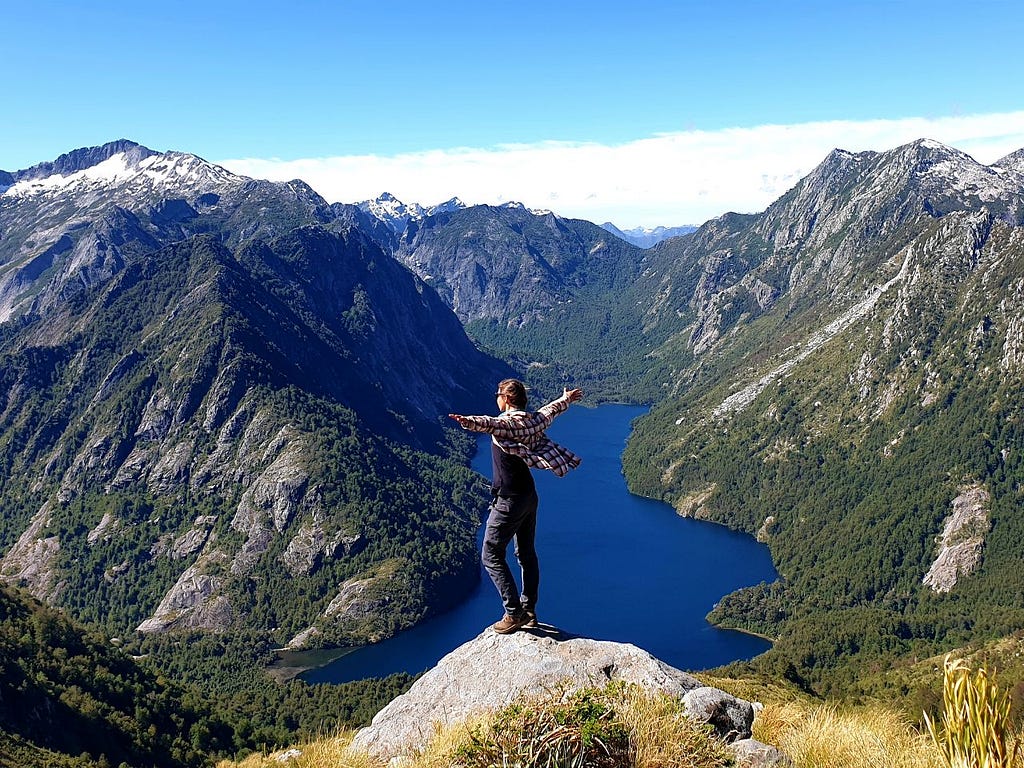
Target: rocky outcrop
x=358, y=599
x=493, y=670
x=751, y=753
x=311, y=545
x=194, y=601
x=31, y=560
x=961, y=541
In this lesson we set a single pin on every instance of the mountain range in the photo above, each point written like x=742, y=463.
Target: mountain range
x=845, y=385
x=221, y=399
x=645, y=237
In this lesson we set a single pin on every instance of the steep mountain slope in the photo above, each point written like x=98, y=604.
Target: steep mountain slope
x=233, y=431
x=847, y=387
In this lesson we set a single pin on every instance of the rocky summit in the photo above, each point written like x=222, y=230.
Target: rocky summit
x=493, y=670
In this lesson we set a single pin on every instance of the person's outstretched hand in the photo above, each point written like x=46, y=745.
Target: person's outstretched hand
x=463, y=421
x=575, y=395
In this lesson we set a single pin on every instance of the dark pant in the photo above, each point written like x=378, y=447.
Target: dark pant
x=511, y=518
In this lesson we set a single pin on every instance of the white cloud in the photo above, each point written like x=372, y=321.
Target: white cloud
x=667, y=179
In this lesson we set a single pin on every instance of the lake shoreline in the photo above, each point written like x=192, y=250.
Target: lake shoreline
x=615, y=566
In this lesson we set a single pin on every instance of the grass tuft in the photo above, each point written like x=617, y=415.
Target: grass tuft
x=973, y=730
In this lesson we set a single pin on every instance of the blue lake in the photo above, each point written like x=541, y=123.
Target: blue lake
x=614, y=566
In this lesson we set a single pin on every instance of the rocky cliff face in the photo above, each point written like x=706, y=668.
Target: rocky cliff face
x=511, y=265
x=961, y=541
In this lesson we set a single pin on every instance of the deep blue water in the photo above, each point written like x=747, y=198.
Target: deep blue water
x=614, y=566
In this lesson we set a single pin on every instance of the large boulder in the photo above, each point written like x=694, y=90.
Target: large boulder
x=493, y=670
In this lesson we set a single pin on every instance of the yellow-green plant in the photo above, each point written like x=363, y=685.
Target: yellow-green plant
x=580, y=730
x=974, y=729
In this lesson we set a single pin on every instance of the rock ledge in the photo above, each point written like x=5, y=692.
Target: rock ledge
x=493, y=670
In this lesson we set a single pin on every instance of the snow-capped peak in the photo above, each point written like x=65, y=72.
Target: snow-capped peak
x=389, y=208
x=125, y=170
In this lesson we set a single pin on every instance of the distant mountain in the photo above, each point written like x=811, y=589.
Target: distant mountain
x=645, y=238
x=77, y=221
x=397, y=215
x=1012, y=162
x=551, y=294
x=85, y=158
x=221, y=407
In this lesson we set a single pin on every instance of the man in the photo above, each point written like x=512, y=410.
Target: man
x=518, y=443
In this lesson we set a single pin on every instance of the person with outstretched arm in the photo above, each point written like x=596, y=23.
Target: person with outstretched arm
x=518, y=443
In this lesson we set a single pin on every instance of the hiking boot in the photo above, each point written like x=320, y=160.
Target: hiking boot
x=531, y=619
x=510, y=623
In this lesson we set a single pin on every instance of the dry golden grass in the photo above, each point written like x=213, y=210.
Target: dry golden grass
x=812, y=733
x=326, y=752
x=825, y=736
x=661, y=737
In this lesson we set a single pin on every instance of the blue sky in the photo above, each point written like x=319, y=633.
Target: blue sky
x=641, y=113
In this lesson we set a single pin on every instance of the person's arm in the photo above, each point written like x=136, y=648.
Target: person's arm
x=491, y=424
x=561, y=404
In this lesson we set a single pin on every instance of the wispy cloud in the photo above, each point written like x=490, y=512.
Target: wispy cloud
x=668, y=179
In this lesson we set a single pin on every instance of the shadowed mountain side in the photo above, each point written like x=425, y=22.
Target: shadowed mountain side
x=217, y=439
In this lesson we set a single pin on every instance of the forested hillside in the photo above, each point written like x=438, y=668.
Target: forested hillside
x=854, y=400
x=67, y=692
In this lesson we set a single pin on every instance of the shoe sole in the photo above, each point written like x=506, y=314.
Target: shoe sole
x=508, y=631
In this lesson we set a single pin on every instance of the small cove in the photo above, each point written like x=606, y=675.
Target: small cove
x=614, y=566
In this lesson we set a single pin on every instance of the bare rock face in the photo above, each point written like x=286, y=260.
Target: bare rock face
x=31, y=560
x=493, y=670
x=358, y=599
x=194, y=601
x=963, y=535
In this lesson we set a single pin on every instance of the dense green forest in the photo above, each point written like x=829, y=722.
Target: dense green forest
x=72, y=697
x=70, y=691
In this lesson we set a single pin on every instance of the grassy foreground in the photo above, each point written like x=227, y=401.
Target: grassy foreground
x=623, y=726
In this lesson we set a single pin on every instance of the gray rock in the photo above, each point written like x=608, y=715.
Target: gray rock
x=962, y=539
x=194, y=602
x=493, y=670
x=751, y=753
x=31, y=561
x=730, y=717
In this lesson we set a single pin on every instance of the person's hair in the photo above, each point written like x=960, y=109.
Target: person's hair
x=515, y=391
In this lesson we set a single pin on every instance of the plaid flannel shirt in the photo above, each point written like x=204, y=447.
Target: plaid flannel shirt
x=521, y=434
